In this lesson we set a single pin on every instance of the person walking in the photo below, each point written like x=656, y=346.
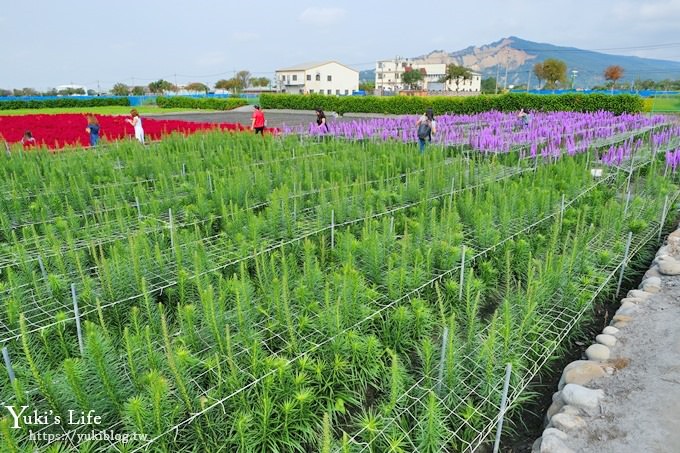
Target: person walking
x=258, y=122
x=426, y=126
x=136, y=122
x=92, y=129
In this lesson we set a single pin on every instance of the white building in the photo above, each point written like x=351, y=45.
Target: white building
x=388, y=75
x=328, y=77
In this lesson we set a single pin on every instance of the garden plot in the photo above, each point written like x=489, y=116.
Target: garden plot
x=370, y=302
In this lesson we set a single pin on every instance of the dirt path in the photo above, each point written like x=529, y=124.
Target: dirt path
x=640, y=411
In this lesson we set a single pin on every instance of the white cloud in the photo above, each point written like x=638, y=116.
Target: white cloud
x=245, y=36
x=321, y=17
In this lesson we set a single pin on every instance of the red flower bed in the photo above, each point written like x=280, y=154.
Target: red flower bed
x=57, y=131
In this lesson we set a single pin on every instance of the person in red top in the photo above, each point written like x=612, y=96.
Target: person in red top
x=28, y=140
x=258, y=121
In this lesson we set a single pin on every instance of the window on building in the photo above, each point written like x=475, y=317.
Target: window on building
x=337, y=92
x=318, y=77
x=380, y=76
x=311, y=91
x=309, y=77
x=294, y=77
x=329, y=78
x=346, y=92
x=328, y=91
x=380, y=65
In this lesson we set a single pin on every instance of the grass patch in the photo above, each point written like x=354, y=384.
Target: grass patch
x=663, y=104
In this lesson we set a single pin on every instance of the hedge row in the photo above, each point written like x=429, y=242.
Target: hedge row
x=400, y=105
x=63, y=102
x=170, y=102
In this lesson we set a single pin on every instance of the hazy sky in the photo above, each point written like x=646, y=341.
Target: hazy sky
x=45, y=43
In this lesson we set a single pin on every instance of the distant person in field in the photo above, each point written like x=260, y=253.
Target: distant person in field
x=28, y=140
x=136, y=122
x=259, y=121
x=425, y=126
x=92, y=129
x=321, y=120
x=523, y=117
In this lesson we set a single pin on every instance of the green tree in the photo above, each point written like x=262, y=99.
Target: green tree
x=412, y=78
x=242, y=79
x=138, y=91
x=198, y=87
x=367, y=86
x=91, y=92
x=488, y=85
x=455, y=73
x=5, y=93
x=161, y=86
x=229, y=85
x=554, y=73
x=120, y=89
x=539, y=72
x=260, y=82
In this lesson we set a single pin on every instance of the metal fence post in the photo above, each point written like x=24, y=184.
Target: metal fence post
x=44, y=274
x=561, y=212
x=76, y=311
x=451, y=193
x=139, y=210
x=624, y=262
x=504, y=403
x=184, y=170
x=333, y=228
x=210, y=183
x=663, y=216
x=442, y=357
x=8, y=364
x=462, y=273
x=172, y=239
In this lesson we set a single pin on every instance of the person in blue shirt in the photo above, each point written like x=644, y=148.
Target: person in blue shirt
x=92, y=129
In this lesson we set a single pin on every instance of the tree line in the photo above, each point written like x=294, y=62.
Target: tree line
x=240, y=81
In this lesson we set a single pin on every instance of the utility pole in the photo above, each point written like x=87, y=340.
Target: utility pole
x=528, y=80
x=497, y=71
x=507, y=62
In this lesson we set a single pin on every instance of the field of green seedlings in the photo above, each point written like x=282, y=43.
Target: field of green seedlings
x=221, y=292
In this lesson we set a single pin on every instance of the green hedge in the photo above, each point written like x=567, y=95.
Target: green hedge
x=63, y=102
x=170, y=102
x=400, y=105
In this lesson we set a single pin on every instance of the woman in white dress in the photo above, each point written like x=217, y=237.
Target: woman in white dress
x=136, y=122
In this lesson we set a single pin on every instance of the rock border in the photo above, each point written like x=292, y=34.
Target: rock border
x=574, y=402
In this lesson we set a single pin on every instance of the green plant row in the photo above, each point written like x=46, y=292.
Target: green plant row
x=400, y=105
x=169, y=102
x=64, y=102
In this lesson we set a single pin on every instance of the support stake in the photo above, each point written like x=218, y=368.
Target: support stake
x=504, y=403
x=76, y=311
x=8, y=364
x=172, y=239
x=462, y=273
x=139, y=210
x=663, y=216
x=624, y=263
x=442, y=358
x=333, y=229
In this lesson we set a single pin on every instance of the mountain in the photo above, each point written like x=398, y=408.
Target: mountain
x=518, y=57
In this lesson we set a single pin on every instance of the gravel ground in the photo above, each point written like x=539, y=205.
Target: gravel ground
x=641, y=408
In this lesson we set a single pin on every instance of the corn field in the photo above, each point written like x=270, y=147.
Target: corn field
x=223, y=292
